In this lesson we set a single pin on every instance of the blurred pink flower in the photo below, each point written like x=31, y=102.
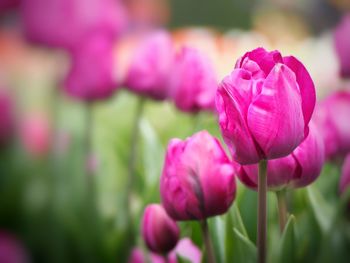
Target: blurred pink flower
x=35, y=135
x=193, y=81
x=11, y=250
x=6, y=117
x=159, y=231
x=332, y=116
x=299, y=169
x=150, y=66
x=8, y=4
x=184, y=249
x=265, y=106
x=344, y=183
x=197, y=179
x=64, y=23
x=342, y=45
x=91, y=76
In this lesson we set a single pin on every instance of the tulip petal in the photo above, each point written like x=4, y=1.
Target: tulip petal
x=275, y=117
x=306, y=86
x=233, y=98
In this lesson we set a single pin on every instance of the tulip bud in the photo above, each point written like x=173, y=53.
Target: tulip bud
x=197, y=180
x=193, y=83
x=344, y=183
x=299, y=169
x=6, y=5
x=150, y=66
x=265, y=106
x=64, y=23
x=35, y=135
x=6, y=118
x=342, y=45
x=91, y=74
x=159, y=231
x=332, y=116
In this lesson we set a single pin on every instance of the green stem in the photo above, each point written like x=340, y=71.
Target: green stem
x=207, y=241
x=89, y=173
x=262, y=217
x=282, y=208
x=132, y=162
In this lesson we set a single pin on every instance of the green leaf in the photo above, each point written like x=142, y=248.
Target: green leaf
x=288, y=246
x=244, y=249
x=237, y=220
x=322, y=211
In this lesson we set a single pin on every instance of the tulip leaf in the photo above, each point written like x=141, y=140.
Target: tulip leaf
x=244, y=249
x=182, y=260
x=287, y=251
x=322, y=211
x=237, y=220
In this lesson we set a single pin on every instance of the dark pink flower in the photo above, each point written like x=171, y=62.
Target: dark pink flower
x=342, y=45
x=159, y=231
x=193, y=81
x=11, y=249
x=299, y=169
x=265, y=106
x=150, y=66
x=91, y=76
x=332, y=116
x=65, y=23
x=197, y=180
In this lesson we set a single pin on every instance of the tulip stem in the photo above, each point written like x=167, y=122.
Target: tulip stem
x=89, y=173
x=282, y=208
x=262, y=217
x=132, y=161
x=207, y=241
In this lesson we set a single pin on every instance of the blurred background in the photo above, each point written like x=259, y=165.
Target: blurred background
x=55, y=137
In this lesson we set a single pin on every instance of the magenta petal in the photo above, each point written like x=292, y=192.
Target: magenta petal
x=310, y=156
x=275, y=117
x=233, y=98
x=306, y=86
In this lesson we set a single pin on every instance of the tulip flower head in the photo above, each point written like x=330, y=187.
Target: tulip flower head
x=299, y=169
x=197, y=180
x=342, y=45
x=91, y=75
x=150, y=66
x=193, y=83
x=159, y=231
x=265, y=106
x=64, y=23
x=332, y=115
x=11, y=249
x=184, y=249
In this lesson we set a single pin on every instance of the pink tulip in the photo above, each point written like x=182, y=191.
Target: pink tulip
x=193, y=83
x=150, y=66
x=197, y=180
x=6, y=118
x=332, y=116
x=91, y=75
x=11, y=250
x=184, y=249
x=299, y=169
x=35, y=135
x=342, y=45
x=65, y=23
x=159, y=231
x=265, y=106
x=344, y=183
